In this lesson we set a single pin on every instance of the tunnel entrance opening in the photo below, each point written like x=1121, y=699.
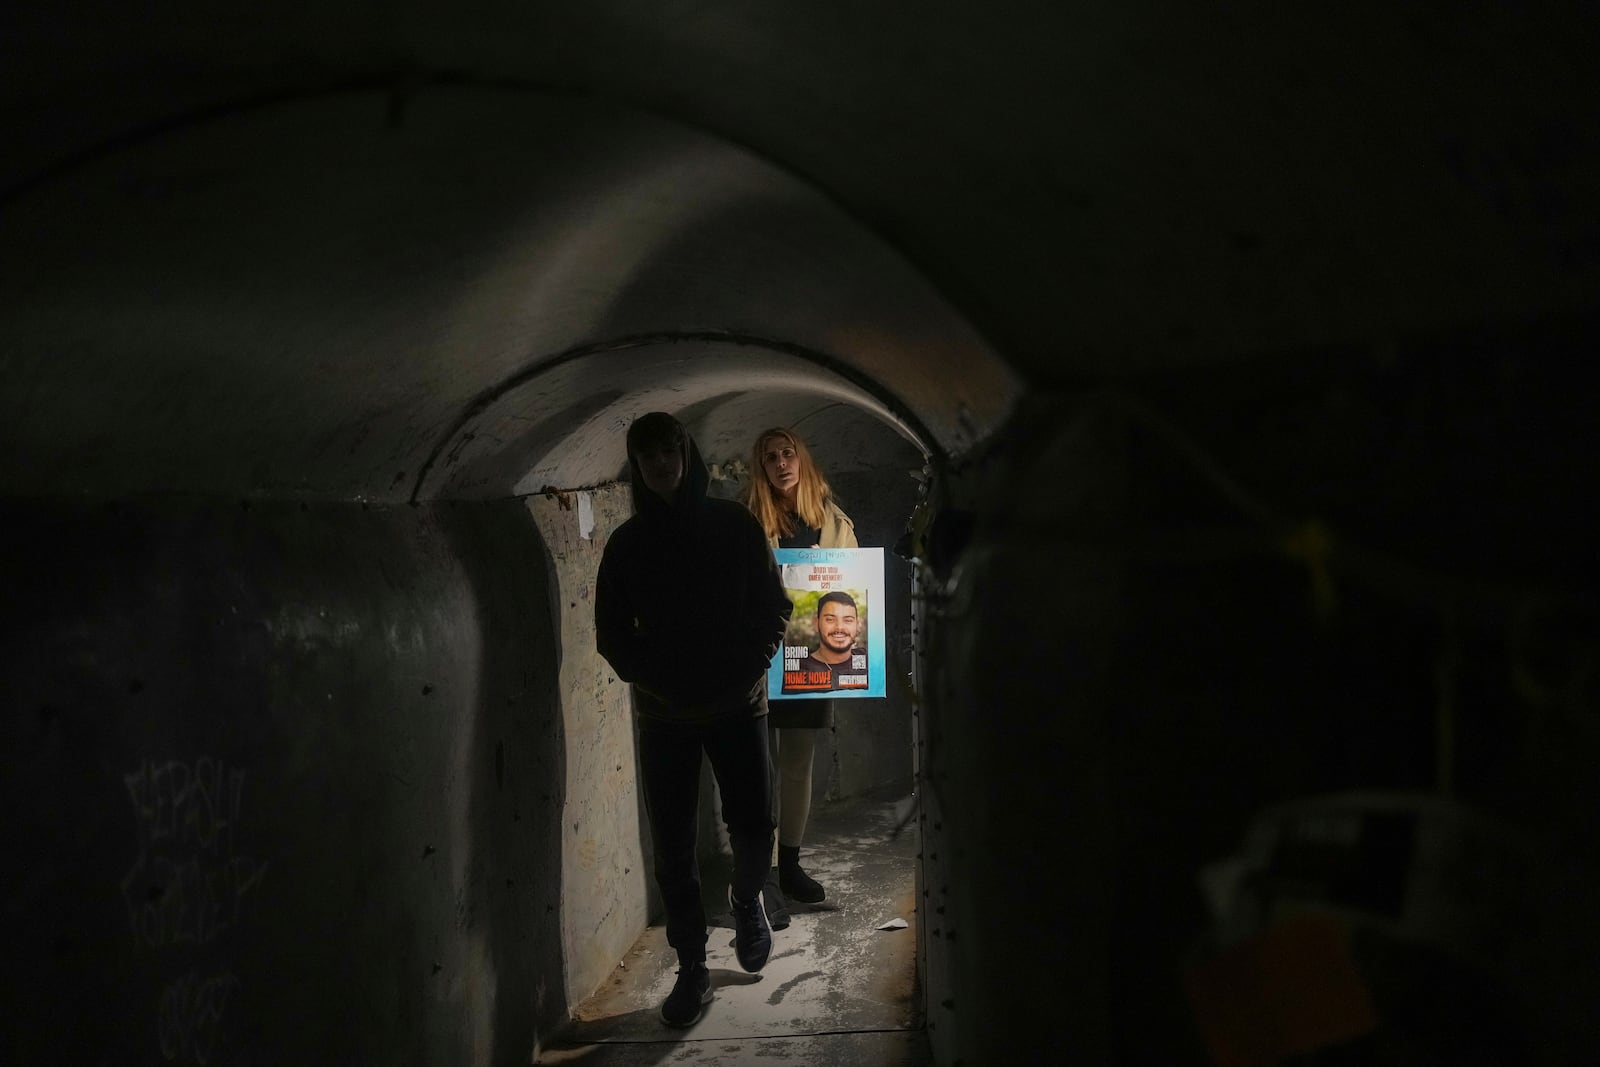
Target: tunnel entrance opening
x=555, y=441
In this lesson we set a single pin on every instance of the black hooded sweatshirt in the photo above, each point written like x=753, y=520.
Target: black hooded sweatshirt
x=688, y=604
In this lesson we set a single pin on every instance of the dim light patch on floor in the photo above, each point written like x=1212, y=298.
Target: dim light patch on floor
x=837, y=988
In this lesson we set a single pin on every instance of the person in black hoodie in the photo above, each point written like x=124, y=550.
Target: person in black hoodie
x=689, y=608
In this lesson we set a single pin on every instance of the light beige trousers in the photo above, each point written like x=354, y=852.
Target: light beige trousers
x=792, y=754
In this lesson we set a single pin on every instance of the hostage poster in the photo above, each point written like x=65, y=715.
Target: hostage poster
x=834, y=644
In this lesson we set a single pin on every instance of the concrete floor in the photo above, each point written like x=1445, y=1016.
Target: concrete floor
x=836, y=991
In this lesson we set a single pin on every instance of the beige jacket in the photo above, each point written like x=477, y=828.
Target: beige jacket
x=837, y=529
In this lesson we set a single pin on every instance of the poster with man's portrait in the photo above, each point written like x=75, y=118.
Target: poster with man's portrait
x=834, y=644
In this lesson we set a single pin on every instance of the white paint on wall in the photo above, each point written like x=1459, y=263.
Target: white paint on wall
x=586, y=516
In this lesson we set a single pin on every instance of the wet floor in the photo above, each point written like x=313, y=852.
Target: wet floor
x=837, y=990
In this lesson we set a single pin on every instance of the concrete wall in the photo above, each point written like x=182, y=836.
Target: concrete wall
x=606, y=884
x=870, y=747
x=283, y=783
x=1015, y=810
x=1143, y=648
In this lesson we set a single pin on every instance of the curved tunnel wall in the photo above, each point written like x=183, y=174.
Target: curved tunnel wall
x=291, y=782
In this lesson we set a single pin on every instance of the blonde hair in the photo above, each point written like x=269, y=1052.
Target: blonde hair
x=811, y=492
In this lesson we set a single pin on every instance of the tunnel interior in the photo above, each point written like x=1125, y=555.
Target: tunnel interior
x=1231, y=402
x=392, y=528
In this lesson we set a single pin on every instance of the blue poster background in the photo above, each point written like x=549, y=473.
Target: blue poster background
x=809, y=573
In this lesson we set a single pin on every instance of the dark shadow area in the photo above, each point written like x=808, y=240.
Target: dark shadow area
x=519, y=769
x=1356, y=590
x=599, y=1035
x=296, y=767
x=122, y=642
x=655, y=907
x=871, y=743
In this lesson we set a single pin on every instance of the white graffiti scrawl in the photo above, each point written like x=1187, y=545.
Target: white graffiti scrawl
x=188, y=887
x=189, y=883
x=191, y=1015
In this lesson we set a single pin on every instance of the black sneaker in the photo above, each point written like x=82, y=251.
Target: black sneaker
x=777, y=911
x=690, y=994
x=798, y=885
x=752, y=934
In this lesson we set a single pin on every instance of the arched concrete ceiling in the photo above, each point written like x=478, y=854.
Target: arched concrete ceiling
x=310, y=297
x=564, y=425
x=844, y=437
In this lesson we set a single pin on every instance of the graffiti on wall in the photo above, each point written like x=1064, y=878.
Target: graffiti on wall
x=190, y=1015
x=189, y=885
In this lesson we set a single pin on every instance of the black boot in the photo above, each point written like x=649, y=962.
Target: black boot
x=795, y=882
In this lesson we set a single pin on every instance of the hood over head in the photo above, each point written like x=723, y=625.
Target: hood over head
x=653, y=428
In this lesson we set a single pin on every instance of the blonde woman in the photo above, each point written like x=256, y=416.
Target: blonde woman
x=790, y=498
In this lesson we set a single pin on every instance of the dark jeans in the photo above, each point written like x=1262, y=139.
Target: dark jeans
x=669, y=761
